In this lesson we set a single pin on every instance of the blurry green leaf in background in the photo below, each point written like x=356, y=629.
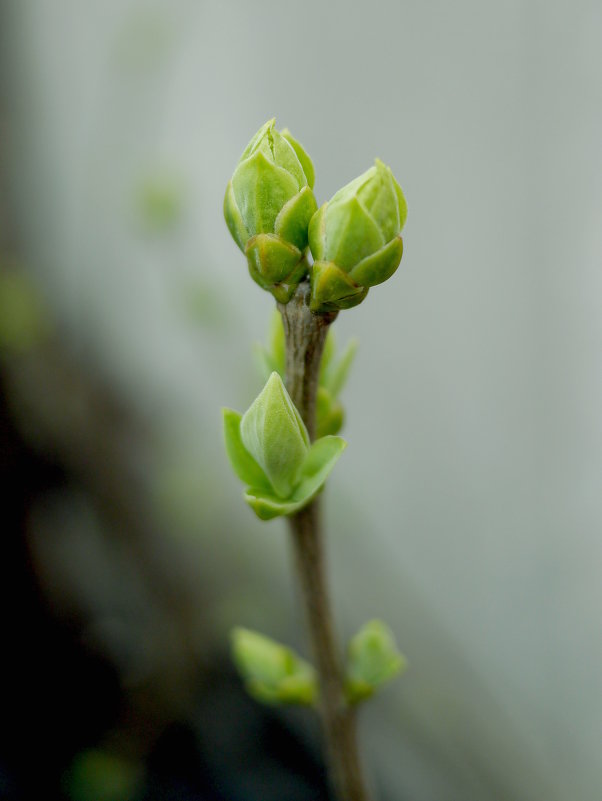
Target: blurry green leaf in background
x=23, y=321
x=97, y=775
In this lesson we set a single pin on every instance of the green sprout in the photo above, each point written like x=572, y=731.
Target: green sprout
x=269, y=450
x=355, y=239
x=284, y=447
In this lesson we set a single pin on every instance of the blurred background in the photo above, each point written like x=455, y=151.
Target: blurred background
x=467, y=510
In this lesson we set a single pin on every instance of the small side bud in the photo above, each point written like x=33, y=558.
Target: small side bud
x=273, y=673
x=270, y=451
x=372, y=660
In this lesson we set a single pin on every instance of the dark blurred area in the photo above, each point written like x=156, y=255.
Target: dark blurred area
x=86, y=716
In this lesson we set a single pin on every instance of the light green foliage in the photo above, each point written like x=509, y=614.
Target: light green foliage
x=355, y=239
x=372, y=660
x=270, y=451
x=268, y=205
x=330, y=414
x=97, y=775
x=272, y=672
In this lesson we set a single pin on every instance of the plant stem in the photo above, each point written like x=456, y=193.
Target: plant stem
x=305, y=334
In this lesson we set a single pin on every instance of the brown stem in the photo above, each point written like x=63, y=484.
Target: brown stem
x=305, y=334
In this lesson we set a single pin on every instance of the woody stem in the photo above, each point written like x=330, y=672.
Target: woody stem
x=305, y=335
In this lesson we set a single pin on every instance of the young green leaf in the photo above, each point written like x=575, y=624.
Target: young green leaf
x=272, y=672
x=277, y=343
x=319, y=462
x=330, y=346
x=293, y=219
x=306, y=162
x=336, y=375
x=330, y=414
x=243, y=464
x=372, y=660
x=379, y=266
x=267, y=506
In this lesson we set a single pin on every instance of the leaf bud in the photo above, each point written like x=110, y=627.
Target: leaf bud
x=355, y=239
x=268, y=205
x=272, y=672
x=372, y=660
x=270, y=451
x=274, y=434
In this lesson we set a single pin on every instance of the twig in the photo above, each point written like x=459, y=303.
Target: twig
x=305, y=334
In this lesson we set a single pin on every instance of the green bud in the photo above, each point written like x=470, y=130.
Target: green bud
x=272, y=672
x=372, y=660
x=270, y=451
x=330, y=414
x=268, y=205
x=355, y=239
x=274, y=434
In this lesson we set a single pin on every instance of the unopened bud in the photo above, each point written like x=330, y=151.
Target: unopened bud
x=268, y=205
x=355, y=239
x=372, y=660
x=272, y=672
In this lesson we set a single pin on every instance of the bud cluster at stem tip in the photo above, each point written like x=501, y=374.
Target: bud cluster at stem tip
x=355, y=238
